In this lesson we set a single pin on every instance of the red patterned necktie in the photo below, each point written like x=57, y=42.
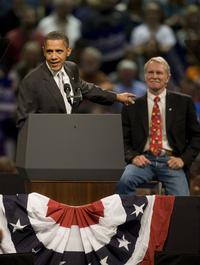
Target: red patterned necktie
x=155, y=137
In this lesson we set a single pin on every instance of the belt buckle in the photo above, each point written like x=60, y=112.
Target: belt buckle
x=163, y=152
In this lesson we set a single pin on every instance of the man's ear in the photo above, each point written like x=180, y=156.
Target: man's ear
x=69, y=50
x=43, y=50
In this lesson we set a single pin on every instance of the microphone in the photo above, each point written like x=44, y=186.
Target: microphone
x=67, y=90
x=76, y=97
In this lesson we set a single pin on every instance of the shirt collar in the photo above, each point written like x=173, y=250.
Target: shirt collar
x=152, y=96
x=55, y=73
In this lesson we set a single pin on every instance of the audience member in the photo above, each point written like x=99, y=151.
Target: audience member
x=61, y=19
x=19, y=36
x=90, y=64
x=126, y=79
x=8, y=131
x=11, y=17
x=188, y=33
x=90, y=68
x=190, y=24
x=134, y=10
x=173, y=10
x=104, y=28
x=31, y=56
x=154, y=30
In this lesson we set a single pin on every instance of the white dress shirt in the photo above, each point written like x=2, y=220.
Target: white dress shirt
x=162, y=106
x=60, y=81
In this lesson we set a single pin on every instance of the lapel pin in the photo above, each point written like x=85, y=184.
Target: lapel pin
x=170, y=109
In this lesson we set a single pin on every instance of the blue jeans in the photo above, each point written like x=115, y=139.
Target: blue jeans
x=174, y=181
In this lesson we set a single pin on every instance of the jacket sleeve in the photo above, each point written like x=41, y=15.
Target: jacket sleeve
x=129, y=152
x=26, y=102
x=193, y=134
x=91, y=91
x=96, y=94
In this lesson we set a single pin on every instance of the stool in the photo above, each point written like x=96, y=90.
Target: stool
x=152, y=185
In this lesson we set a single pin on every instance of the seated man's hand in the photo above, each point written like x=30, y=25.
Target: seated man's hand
x=175, y=162
x=140, y=161
x=126, y=98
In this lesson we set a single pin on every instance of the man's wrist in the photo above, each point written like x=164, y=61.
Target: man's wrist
x=118, y=97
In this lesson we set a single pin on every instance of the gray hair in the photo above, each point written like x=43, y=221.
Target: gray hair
x=160, y=60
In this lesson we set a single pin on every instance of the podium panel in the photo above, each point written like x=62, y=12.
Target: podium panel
x=71, y=147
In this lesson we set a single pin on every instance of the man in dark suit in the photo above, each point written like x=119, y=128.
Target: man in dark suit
x=55, y=85
x=161, y=135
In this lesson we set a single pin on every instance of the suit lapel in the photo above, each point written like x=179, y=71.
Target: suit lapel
x=74, y=80
x=170, y=110
x=53, y=89
x=144, y=115
x=71, y=78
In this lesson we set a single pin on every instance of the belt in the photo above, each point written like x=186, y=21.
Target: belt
x=164, y=152
x=167, y=152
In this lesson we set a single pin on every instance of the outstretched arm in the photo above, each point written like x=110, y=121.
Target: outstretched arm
x=126, y=98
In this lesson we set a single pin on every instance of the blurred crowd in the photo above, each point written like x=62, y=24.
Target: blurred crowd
x=111, y=41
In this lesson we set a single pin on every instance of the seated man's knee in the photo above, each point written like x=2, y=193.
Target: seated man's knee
x=126, y=183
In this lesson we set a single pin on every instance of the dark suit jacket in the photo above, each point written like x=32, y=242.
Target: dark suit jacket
x=38, y=92
x=182, y=127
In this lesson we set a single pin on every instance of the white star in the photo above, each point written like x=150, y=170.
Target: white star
x=123, y=242
x=138, y=209
x=104, y=261
x=17, y=226
x=62, y=262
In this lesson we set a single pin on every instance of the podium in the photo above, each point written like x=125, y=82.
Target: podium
x=76, y=147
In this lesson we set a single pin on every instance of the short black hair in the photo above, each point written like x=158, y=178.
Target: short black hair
x=56, y=35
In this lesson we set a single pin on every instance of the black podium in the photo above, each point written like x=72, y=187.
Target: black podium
x=17, y=259
x=71, y=147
